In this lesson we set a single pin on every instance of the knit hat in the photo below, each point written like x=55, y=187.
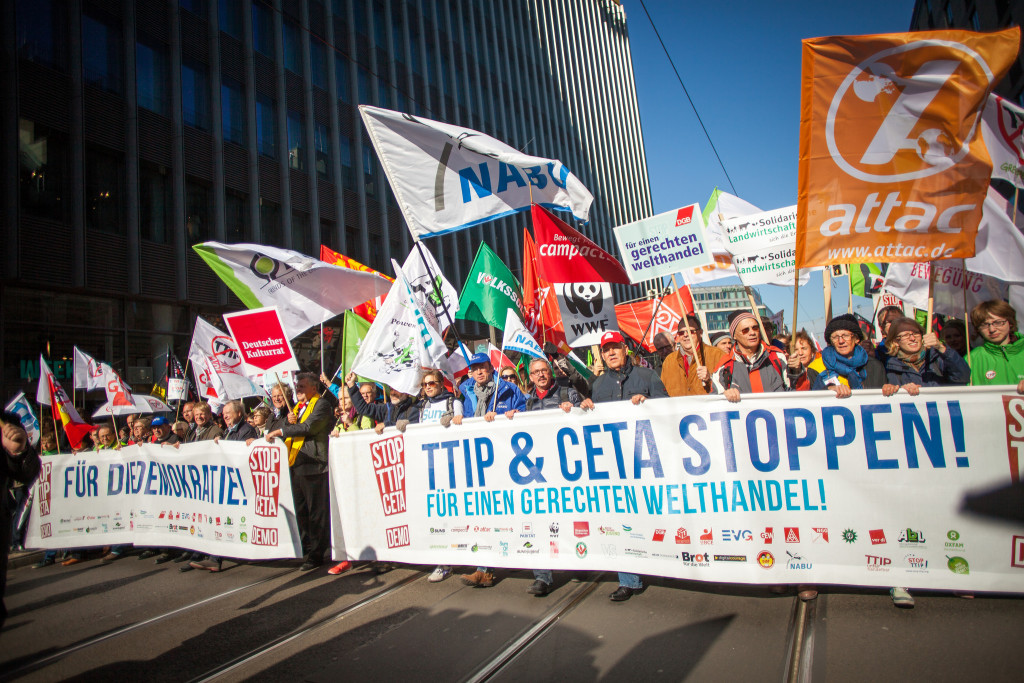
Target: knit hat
x=735, y=323
x=718, y=336
x=844, y=322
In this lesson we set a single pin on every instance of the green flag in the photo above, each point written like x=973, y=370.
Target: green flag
x=490, y=290
x=354, y=331
x=866, y=278
x=710, y=206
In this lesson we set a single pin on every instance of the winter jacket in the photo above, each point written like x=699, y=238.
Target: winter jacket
x=510, y=397
x=243, y=431
x=433, y=408
x=626, y=382
x=389, y=413
x=554, y=398
x=315, y=430
x=874, y=380
x=679, y=373
x=939, y=369
x=994, y=364
x=736, y=372
x=208, y=432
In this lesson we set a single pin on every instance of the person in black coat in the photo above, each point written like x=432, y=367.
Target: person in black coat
x=18, y=462
x=402, y=410
x=306, y=434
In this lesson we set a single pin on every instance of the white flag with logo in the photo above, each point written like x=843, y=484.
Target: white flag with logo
x=119, y=395
x=999, y=246
x=722, y=207
x=449, y=178
x=305, y=290
x=20, y=406
x=88, y=373
x=432, y=290
x=1002, y=128
x=400, y=345
x=217, y=365
x=517, y=338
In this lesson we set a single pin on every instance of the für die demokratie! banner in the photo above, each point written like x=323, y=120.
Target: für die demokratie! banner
x=775, y=489
x=226, y=499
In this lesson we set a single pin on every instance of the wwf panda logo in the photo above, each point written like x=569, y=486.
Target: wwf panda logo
x=583, y=298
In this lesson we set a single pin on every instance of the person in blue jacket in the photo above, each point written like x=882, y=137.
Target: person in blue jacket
x=478, y=392
x=484, y=395
x=915, y=359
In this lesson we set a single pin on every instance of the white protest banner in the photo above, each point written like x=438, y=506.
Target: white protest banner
x=448, y=177
x=909, y=282
x=88, y=373
x=217, y=365
x=226, y=499
x=177, y=389
x=663, y=245
x=588, y=311
x=763, y=247
x=779, y=488
x=261, y=341
x=1002, y=128
x=426, y=280
x=721, y=206
x=142, y=403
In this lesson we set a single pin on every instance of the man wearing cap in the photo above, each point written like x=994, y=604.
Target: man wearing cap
x=753, y=366
x=484, y=395
x=623, y=381
x=162, y=433
x=684, y=374
x=844, y=364
x=723, y=342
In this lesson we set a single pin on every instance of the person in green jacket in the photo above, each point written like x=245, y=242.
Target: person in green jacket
x=1000, y=360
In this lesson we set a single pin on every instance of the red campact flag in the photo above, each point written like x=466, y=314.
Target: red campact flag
x=566, y=255
x=540, y=305
x=367, y=310
x=635, y=318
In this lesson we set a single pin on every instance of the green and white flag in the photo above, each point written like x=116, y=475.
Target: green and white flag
x=400, y=345
x=354, y=332
x=490, y=290
x=305, y=290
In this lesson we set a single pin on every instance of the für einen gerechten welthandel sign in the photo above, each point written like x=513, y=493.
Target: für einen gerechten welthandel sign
x=663, y=244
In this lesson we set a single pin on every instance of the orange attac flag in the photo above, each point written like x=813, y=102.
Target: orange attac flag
x=635, y=318
x=368, y=310
x=892, y=163
x=540, y=305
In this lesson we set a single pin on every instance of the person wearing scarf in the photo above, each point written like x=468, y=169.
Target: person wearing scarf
x=753, y=366
x=916, y=359
x=844, y=364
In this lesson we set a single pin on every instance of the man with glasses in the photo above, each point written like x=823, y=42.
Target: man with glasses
x=662, y=346
x=687, y=370
x=754, y=366
x=1000, y=360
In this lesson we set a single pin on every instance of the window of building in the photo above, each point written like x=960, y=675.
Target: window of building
x=363, y=84
x=398, y=37
x=262, y=28
x=195, y=95
x=104, y=191
x=359, y=17
x=101, y=54
x=322, y=144
x=369, y=169
x=348, y=171
x=414, y=50
x=236, y=217
x=266, y=127
x=232, y=106
x=380, y=27
x=292, y=47
x=151, y=78
x=975, y=21
x=270, y=223
x=341, y=78
x=198, y=226
x=41, y=31
x=196, y=7
x=949, y=14
x=229, y=16
x=384, y=93
x=401, y=101
x=317, y=63
x=296, y=150
x=42, y=168
x=154, y=204
x=302, y=239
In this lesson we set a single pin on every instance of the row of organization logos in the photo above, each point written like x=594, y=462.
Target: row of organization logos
x=906, y=548
x=193, y=524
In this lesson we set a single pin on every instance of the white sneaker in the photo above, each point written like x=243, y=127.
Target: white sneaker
x=901, y=597
x=441, y=573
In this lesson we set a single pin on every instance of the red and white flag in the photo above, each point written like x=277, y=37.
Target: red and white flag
x=567, y=255
x=51, y=393
x=540, y=305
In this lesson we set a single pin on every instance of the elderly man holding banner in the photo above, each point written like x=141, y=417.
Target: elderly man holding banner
x=687, y=370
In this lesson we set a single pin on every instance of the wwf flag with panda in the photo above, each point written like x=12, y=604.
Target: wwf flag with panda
x=588, y=311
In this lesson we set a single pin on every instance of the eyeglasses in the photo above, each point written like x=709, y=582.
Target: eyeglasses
x=540, y=371
x=508, y=375
x=993, y=324
x=842, y=337
x=686, y=332
x=907, y=336
x=747, y=330
x=429, y=383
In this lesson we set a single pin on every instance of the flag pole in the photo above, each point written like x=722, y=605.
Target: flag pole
x=440, y=296
x=826, y=285
x=967, y=325
x=931, y=296
x=849, y=282
x=757, y=313
x=650, y=323
x=697, y=343
x=321, y=348
x=796, y=301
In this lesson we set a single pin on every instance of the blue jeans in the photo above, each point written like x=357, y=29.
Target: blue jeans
x=630, y=581
x=544, y=575
x=120, y=549
x=485, y=570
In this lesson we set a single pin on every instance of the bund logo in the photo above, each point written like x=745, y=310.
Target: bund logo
x=913, y=141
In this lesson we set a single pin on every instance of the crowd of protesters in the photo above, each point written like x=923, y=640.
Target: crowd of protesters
x=749, y=358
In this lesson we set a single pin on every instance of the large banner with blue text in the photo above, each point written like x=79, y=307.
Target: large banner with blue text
x=783, y=488
x=226, y=499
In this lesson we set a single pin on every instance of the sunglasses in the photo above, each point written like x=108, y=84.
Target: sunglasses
x=508, y=375
x=429, y=383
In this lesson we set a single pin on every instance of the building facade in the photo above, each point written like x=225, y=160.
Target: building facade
x=717, y=303
x=133, y=129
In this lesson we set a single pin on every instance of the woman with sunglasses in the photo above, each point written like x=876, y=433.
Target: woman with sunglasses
x=1000, y=360
x=510, y=374
x=915, y=359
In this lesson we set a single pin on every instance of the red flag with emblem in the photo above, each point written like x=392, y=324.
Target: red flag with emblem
x=635, y=318
x=566, y=255
x=540, y=305
x=367, y=310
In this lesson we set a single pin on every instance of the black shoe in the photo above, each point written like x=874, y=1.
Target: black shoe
x=45, y=562
x=539, y=588
x=185, y=568
x=624, y=593
x=382, y=567
x=146, y=554
x=309, y=565
x=163, y=557
x=184, y=557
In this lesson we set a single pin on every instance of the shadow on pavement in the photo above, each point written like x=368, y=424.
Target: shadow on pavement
x=67, y=596
x=676, y=652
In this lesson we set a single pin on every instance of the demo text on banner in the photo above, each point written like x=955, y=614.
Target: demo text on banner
x=226, y=499
x=776, y=489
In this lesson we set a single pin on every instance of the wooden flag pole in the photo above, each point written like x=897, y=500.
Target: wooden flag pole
x=849, y=282
x=697, y=343
x=826, y=284
x=796, y=300
x=931, y=296
x=757, y=313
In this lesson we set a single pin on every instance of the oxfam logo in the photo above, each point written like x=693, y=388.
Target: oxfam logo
x=953, y=535
x=266, y=268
